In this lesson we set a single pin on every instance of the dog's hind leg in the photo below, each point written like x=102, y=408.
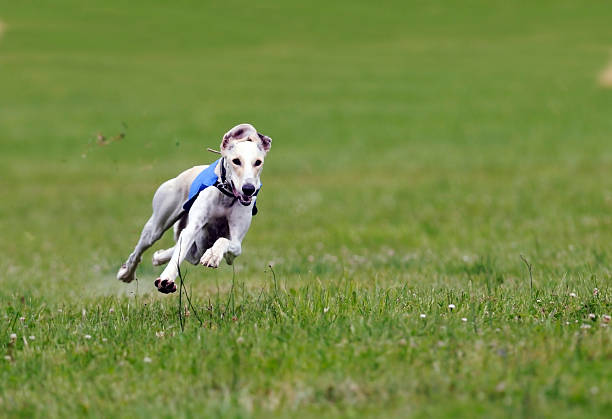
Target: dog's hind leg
x=166, y=210
x=161, y=257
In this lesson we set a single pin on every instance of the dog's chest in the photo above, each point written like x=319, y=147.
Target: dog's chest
x=217, y=227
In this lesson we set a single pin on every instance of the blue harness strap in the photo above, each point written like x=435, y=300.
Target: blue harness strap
x=205, y=179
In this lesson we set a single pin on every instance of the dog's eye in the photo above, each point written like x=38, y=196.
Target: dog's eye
x=236, y=162
x=257, y=163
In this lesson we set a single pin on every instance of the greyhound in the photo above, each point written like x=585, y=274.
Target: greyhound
x=201, y=204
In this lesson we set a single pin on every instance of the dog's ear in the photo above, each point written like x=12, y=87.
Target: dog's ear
x=237, y=133
x=266, y=142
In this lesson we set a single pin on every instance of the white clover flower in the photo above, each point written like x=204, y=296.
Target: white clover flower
x=111, y=310
x=585, y=326
x=592, y=316
x=147, y=360
x=595, y=292
x=451, y=306
x=423, y=316
x=326, y=309
x=13, y=336
x=104, y=339
x=22, y=318
x=7, y=357
x=572, y=294
x=159, y=334
x=240, y=339
x=87, y=336
x=463, y=319
x=32, y=337
x=606, y=318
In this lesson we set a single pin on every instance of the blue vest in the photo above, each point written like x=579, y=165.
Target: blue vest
x=205, y=179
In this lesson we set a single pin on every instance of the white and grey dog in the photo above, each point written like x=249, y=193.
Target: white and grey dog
x=200, y=203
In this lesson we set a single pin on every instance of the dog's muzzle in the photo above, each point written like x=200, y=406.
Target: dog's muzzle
x=248, y=191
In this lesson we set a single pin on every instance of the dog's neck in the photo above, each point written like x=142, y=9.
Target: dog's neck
x=223, y=185
x=221, y=170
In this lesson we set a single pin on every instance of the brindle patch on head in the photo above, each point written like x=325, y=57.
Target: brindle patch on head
x=245, y=132
x=266, y=142
x=238, y=133
x=225, y=143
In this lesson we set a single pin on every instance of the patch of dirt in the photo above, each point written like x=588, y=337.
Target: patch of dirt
x=605, y=77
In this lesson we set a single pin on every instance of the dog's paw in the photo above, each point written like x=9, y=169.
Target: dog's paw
x=165, y=286
x=124, y=274
x=211, y=258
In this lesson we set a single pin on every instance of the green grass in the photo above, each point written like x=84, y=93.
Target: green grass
x=419, y=149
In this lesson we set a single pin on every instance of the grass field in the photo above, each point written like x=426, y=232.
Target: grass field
x=420, y=148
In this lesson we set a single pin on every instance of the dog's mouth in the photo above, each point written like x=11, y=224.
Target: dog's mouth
x=244, y=199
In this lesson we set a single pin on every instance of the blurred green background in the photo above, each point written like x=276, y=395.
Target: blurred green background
x=441, y=128
x=414, y=142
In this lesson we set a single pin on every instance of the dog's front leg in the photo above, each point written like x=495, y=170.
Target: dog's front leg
x=198, y=217
x=239, y=223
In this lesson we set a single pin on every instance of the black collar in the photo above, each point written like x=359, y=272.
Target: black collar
x=223, y=170
x=224, y=186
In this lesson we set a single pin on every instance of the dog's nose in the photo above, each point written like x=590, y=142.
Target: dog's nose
x=248, y=189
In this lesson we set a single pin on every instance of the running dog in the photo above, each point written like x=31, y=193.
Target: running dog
x=201, y=204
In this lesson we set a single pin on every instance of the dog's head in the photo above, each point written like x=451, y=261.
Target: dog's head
x=244, y=151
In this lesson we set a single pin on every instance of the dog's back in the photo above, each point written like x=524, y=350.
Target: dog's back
x=186, y=178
